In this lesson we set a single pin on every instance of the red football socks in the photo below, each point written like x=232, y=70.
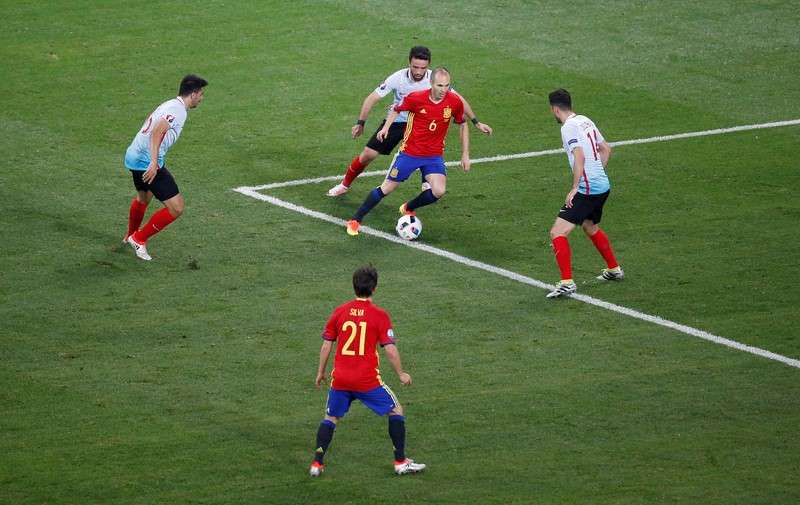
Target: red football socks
x=563, y=256
x=136, y=215
x=600, y=241
x=158, y=222
x=355, y=168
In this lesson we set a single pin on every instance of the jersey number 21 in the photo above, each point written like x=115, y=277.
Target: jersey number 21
x=361, y=331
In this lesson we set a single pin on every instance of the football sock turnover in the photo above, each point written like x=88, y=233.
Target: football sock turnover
x=353, y=171
x=136, y=215
x=563, y=256
x=422, y=199
x=373, y=198
x=157, y=223
x=324, y=437
x=600, y=241
x=397, y=431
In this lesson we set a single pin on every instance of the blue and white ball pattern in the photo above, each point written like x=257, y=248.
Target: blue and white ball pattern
x=409, y=227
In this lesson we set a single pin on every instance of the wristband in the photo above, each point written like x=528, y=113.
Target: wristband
x=361, y=122
x=475, y=120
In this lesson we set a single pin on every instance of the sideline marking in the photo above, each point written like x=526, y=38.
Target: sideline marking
x=534, y=154
x=253, y=193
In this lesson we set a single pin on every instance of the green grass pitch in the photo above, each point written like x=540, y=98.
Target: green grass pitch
x=190, y=379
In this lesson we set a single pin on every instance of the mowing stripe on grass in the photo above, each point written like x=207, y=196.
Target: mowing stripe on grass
x=533, y=154
x=253, y=193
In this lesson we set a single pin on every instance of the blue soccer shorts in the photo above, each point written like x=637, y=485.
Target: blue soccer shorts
x=380, y=400
x=405, y=165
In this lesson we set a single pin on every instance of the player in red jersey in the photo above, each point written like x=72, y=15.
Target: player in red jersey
x=415, y=77
x=429, y=115
x=359, y=327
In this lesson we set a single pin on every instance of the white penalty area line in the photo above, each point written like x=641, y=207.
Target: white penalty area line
x=253, y=192
x=534, y=154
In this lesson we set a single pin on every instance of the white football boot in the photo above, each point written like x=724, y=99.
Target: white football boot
x=563, y=288
x=611, y=274
x=139, y=249
x=408, y=466
x=338, y=190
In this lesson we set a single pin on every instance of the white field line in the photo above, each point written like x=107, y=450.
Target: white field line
x=253, y=193
x=533, y=154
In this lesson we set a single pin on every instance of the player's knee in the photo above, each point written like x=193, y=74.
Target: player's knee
x=367, y=157
x=176, y=204
x=397, y=410
x=438, y=191
x=590, y=228
x=176, y=209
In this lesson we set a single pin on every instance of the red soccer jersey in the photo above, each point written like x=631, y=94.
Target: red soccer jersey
x=428, y=122
x=358, y=327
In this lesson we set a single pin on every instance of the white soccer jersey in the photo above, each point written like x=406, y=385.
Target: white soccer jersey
x=137, y=157
x=580, y=131
x=402, y=84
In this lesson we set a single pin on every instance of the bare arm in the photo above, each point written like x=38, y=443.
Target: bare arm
x=463, y=133
x=324, y=354
x=604, y=150
x=156, y=138
x=389, y=120
x=369, y=103
x=577, y=173
x=394, y=358
x=485, y=128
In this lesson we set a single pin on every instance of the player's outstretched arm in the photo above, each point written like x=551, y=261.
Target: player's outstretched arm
x=485, y=128
x=369, y=103
x=394, y=358
x=463, y=134
x=381, y=135
x=324, y=354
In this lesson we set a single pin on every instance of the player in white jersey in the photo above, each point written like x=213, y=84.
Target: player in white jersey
x=145, y=160
x=407, y=80
x=588, y=154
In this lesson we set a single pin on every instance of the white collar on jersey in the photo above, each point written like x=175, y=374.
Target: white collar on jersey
x=184, y=103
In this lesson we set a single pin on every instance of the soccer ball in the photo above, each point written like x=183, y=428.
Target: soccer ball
x=409, y=227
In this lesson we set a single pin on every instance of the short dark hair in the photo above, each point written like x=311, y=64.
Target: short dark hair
x=365, y=279
x=560, y=98
x=190, y=84
x=420, y=53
